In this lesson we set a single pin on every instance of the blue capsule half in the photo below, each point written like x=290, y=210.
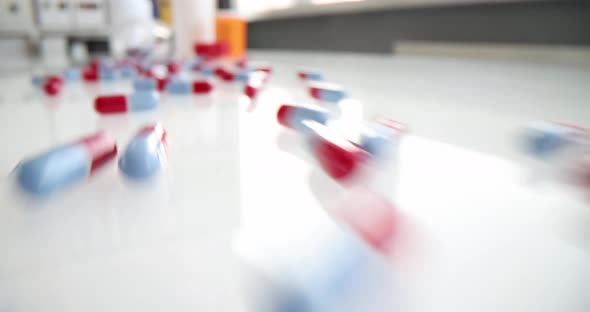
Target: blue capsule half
x=144, y=101
x=37, y=81
x=377, y=139
x=145, y=155
x=544, y=139
x=128, y=72
x=108, y=74
x=207, y=72
x=242, y=76
x=178, y=87
x=72, y=74
x=54, y=170
x=144, y=84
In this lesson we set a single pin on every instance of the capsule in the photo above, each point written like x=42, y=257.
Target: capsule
x=128, y=72
x=137, y=101
x=38, y=81
x=292, y=116
x=90, y=74
x=326, y=92
x=207, y=72
x=192, y=64
x=52, y=85
x=145, y=155
x=173, y=67
x=242, y=76
x=108, y=74
x=380, y=135
x=144, y=84
x=179, y=87
x=543, y=139
x=339, y=157
x=72, y=74
x=161, y=83
x=326, y=268
x=224, y=74
x=65, y=165
x=202, y=86
x=310, y=75
x=255, y=82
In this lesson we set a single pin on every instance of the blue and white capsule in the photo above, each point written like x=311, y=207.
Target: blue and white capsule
x=326, y=92
x=146, y=154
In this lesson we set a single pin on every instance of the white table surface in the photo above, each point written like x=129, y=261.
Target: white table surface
x=476, y=236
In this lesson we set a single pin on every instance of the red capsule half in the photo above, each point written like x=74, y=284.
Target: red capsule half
x=339, y=157
x=101, y=147
x=111, y=104
x=90, y=74
x=52, y=87
x=173, y=67
x=202, y=86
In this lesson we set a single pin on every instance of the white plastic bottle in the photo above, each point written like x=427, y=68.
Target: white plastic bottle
x=193, y=21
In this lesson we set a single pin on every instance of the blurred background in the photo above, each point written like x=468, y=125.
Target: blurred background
x=530, y=29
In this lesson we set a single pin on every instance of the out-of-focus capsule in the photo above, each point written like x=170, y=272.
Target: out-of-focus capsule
x=211, y=50
x=90, y=74
x=543, y=138
x=128, y=72
x=310, y=75
x=325, y=268
x=38, y=81
x=202, y=86
x=66, y=165
x=207, y=71
x=51, y=88
x=108, y=74
x=242, y=75
x=265, y=68
x=255, y=82
x=52, y=85
x=72, y=74
x=292, y=116
x=179, y=87
x=55, y=79
x=327, y=92
x=137, y=101
x=173, y=67
x=144, y=84
x=339, y=157
x=224, y=74
x=161, y=83
x=381, y=134
x=241, y=63
x=192, y=64
x=145, y=155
